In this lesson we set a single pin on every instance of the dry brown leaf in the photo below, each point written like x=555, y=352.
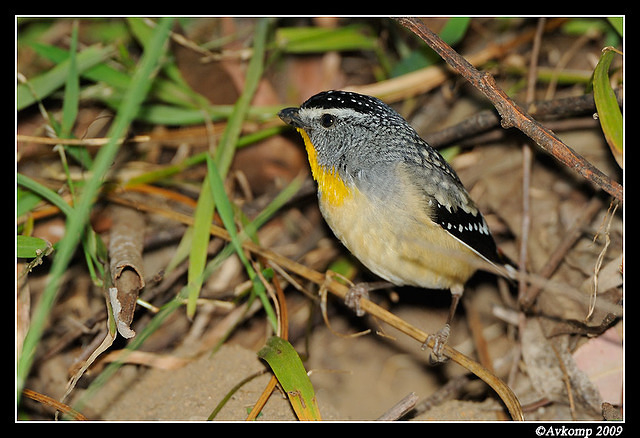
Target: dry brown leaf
x=553, y=372
x=601, y=359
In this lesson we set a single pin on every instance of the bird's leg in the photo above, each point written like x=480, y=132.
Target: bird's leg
x=361, y=290
x=442, y=336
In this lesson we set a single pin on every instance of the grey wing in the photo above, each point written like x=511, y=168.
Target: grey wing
x=450, y=206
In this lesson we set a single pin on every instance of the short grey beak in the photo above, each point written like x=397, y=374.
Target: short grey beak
x=290, y=117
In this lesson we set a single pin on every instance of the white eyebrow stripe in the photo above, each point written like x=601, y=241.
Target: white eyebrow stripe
x=313, y=113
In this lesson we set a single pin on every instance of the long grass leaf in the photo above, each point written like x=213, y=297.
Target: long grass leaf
x=179, y=116
x=46, y=83
x=203, y=217
x=44, y=192
x=70, y=105
x=223, y=156
x=617, y=23
x=226, y=148
x=318, y=39
x=225, y=210
x=609, y=113
x=71, y=88
x=102, y=72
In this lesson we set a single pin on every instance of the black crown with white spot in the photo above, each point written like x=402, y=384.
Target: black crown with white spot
x=346, y=99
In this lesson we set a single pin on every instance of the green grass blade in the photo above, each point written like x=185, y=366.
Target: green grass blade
x=203, y=216
x=609, y=113
x=179, y=112
x=46, y=83
x=158, y=114
x=179, y=116
x=44, y=192
x=70, y=106
x=173, y=92
x=321, y=40
x=169, y=170
x=223, y=156
x=617, y=23
x=101, y=72
x=225, y=210
x=290, y=372
x=276, y=204
x=71, y=89
x=26, y=201
x=454, y=30
x=226, y=148
x=91, y=242
x=77, y=221
x=28, y=247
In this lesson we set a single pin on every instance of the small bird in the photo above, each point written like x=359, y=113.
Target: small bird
x=391, y=199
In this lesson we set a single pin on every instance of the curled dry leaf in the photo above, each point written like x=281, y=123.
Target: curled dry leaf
x=125, y=254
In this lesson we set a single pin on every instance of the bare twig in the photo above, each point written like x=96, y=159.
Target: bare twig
x=512, y=115
x=399, y=409
x=552, y=111
x=527, y=158
x=48, y=401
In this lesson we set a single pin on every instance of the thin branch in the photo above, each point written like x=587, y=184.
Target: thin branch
x=512, y=115
x=552, y=111
x=401, y=408
x=527, y=158
x=49, y=401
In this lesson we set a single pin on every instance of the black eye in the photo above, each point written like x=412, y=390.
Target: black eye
x=327, y=120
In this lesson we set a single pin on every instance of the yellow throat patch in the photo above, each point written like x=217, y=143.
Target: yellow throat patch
x=330, y=186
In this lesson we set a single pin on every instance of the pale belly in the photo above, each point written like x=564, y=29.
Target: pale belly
x=402, y=248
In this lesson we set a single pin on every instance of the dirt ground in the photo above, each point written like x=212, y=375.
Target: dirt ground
x=356, y=378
